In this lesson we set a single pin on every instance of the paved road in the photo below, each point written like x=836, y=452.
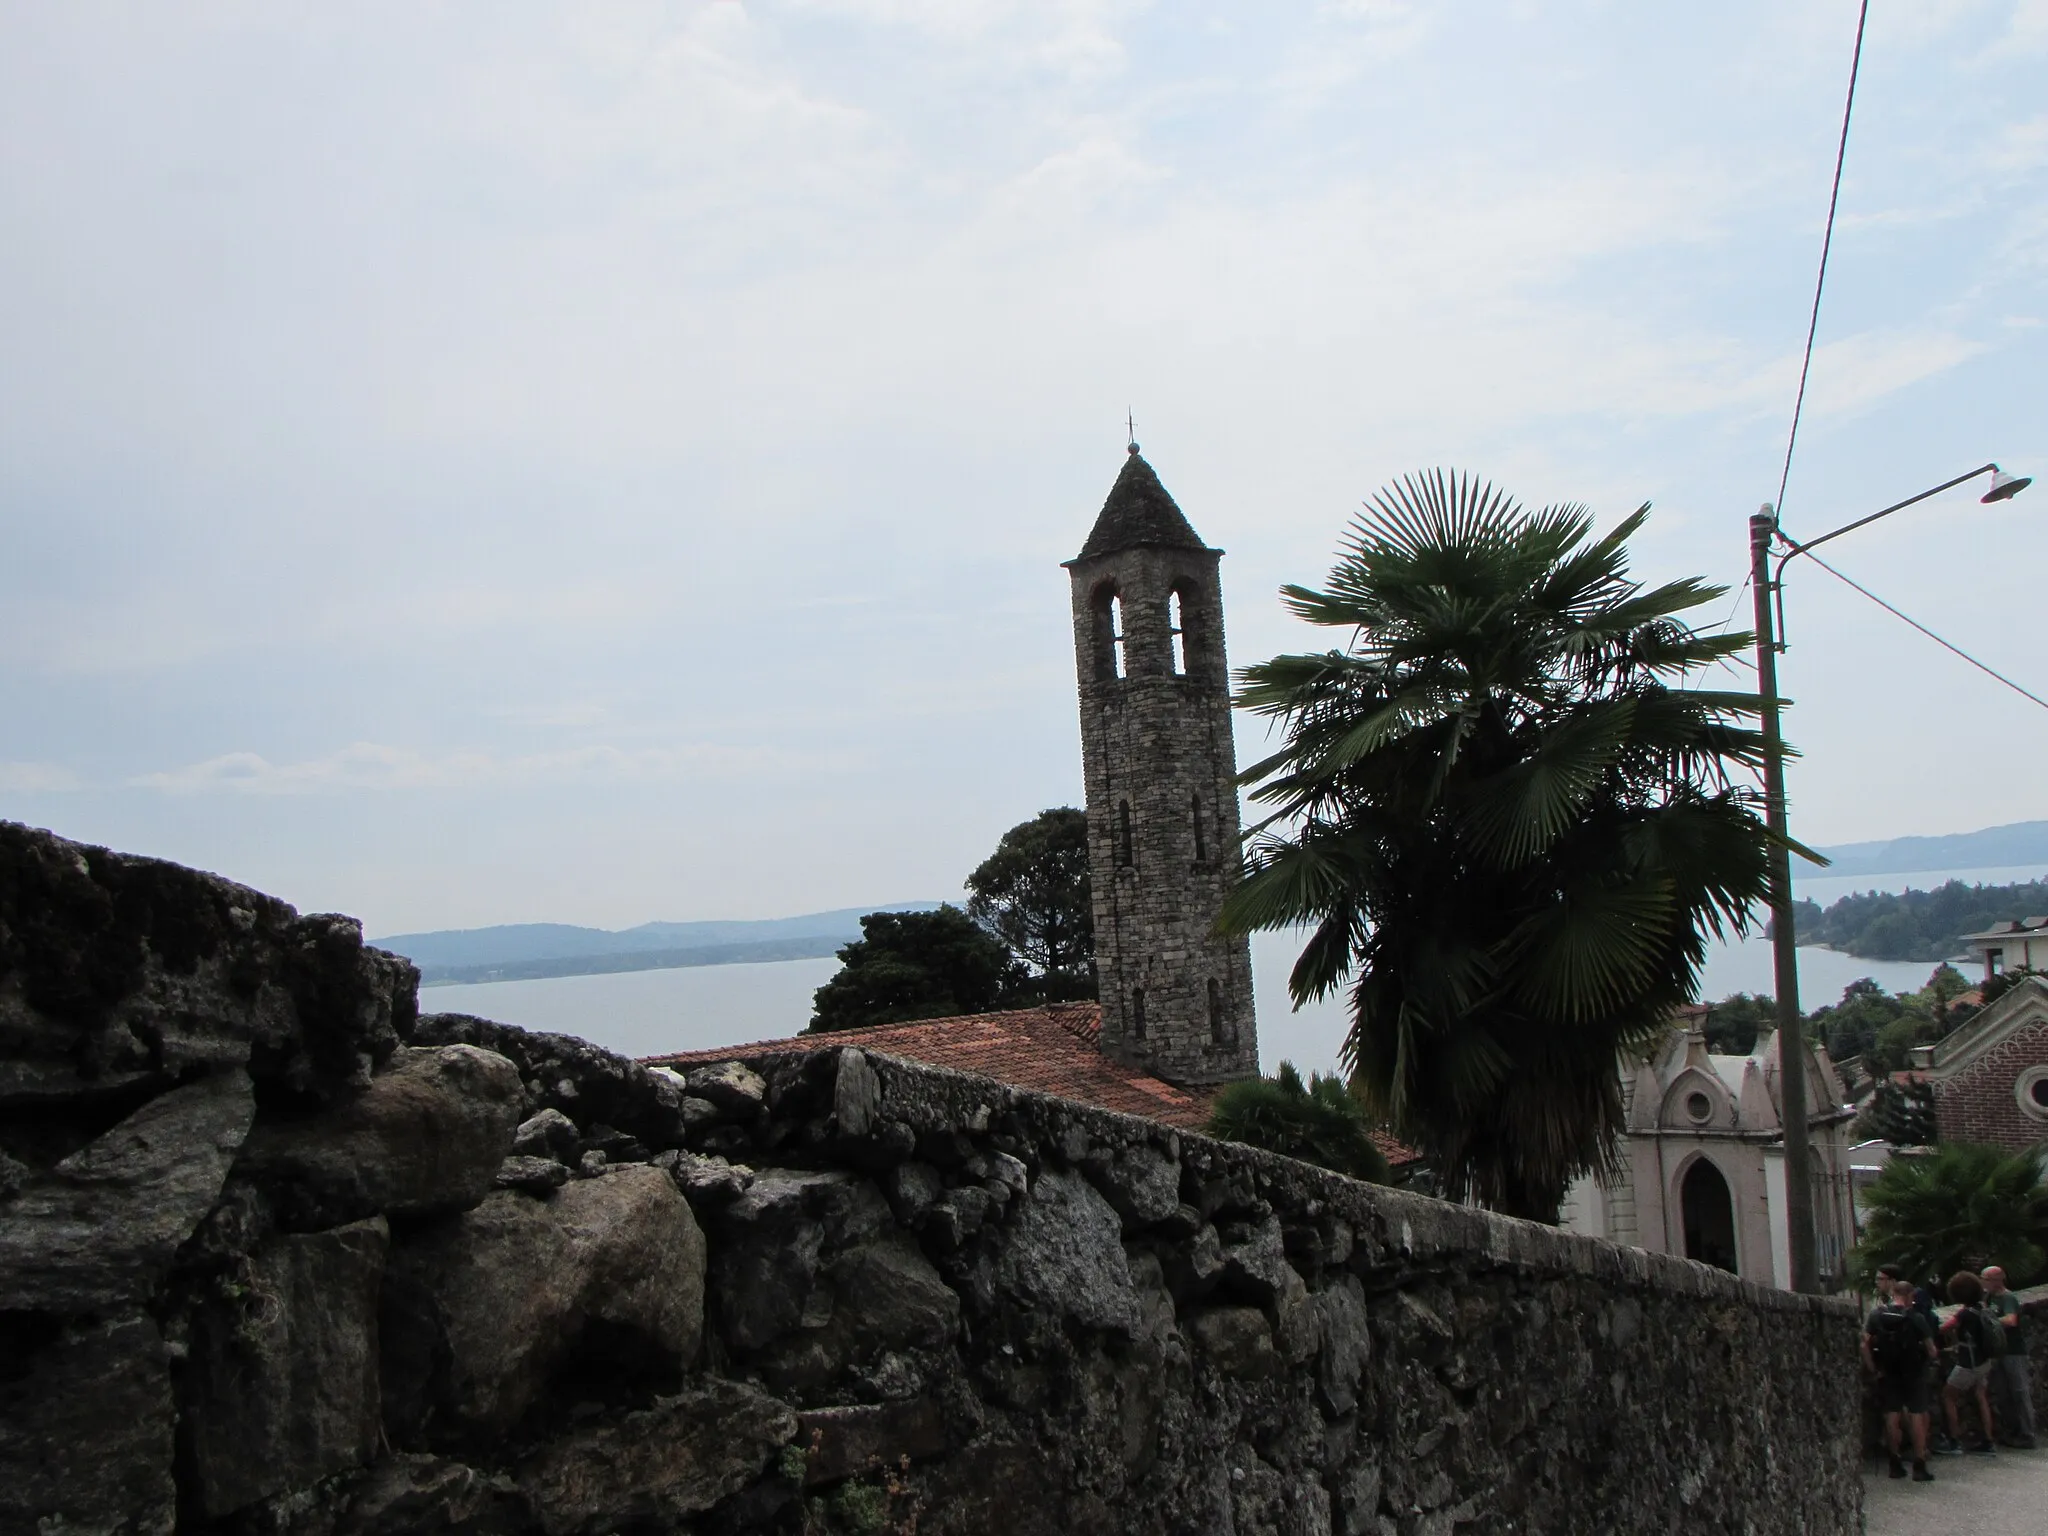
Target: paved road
x=2002, y=1495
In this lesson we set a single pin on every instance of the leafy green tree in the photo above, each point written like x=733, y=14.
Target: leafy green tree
x=1957, y=1206
x=1509, y=829
x=1855, y=1026
x=1944, y=985
x=914, y=965
x=1319, y=1122
x=1735, y=1023
x=2003, y=983
x=1914, y=925
x=1880, y=1028
x=1900, y=1113
x=1032, y=893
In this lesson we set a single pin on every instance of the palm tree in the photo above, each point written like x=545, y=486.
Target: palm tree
x=1959, y=1206
x=1507, y=828
x=1318, y=1122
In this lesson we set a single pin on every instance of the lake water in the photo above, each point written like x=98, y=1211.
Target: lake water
x=641, y=1013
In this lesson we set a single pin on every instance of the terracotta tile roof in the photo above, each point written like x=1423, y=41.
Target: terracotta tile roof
x=1054, y=1049
x=1050, y=1050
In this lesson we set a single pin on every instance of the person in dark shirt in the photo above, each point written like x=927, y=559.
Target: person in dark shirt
x=1898, y=1349
x=2014, y=1369
x=1978, y=1347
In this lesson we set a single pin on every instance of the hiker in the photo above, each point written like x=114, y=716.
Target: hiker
x=1898, y=1349
x=1979, y=1344
x=2015, y=1370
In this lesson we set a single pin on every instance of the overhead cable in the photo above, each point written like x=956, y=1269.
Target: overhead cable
x=1826, y=242
x=1988, y=671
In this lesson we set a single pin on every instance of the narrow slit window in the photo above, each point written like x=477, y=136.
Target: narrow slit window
x=1123, y=833
x=1138, y=1013
x=1201, y=842
x=1219, y=1027
x=1176, y=626
x=1116, y=636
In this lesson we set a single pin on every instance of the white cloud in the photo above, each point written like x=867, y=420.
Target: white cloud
x=370, y=766
x=1854, y=374
x=37, y=779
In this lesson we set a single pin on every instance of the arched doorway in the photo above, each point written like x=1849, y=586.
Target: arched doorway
x=1709, y=1213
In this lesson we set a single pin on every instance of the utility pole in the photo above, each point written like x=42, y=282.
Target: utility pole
x=1784, y=944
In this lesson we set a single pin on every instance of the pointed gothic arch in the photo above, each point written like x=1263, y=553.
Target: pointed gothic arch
x=1706, y=1207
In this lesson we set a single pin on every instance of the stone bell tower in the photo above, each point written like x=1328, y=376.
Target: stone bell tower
x=1162, y=792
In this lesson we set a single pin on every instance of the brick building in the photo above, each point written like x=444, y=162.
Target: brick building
x=1161, y=775
x=1990, y=1078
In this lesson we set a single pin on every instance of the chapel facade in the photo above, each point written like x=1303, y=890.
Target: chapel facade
x=1700, y=1170
x=1161, y=774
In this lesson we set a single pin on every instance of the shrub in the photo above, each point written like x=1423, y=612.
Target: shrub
x=1959, y=1206
x=1318, y=1122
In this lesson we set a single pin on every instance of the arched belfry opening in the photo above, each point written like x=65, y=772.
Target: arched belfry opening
x=1161, y=772
x=1108, y=634
x=1708, y=1211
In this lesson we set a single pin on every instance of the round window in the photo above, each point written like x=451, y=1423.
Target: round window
x=1699, y=1107
x=2032, y=1092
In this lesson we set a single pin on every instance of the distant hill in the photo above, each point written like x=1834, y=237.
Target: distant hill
x=2023, y=842
x=528, y=951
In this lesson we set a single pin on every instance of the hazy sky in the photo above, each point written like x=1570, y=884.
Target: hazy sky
x=495, y=462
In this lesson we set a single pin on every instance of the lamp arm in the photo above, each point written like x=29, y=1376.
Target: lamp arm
x=1796, y=547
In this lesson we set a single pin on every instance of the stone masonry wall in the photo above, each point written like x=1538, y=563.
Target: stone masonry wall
x=276, y=1256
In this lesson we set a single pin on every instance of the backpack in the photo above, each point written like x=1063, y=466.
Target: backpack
x=1978, y=1340
x=1894, y=1341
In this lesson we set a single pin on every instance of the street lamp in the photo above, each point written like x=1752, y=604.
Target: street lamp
x=1764, y=532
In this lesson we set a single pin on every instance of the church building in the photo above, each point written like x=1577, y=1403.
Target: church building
x=1700, y=1171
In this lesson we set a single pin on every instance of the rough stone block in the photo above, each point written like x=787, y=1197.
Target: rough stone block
x=733, y=1087
x=844, y=1442
x=117, y=971
x=99, y=1230
x=547, y=1134
x=86, y=1425
x=282, y=1386
x=534, y=1175
x=427, y=1135
x=1238, y=1341
x=483, y=1310
x=654, y=1468
x=772, y=1241
x=856, y=1094
x=1063, y=1254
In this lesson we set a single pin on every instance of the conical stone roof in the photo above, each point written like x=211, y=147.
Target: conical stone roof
x=1138, y=511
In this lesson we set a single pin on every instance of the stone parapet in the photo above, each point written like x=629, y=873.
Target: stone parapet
x=821, y=1292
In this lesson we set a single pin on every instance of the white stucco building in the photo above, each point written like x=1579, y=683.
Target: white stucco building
x=2017, y=945
x=1701, y=1172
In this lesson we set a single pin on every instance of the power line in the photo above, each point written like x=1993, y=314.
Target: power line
x=1734, y=663
x=1827, y=241
x=1988, y=671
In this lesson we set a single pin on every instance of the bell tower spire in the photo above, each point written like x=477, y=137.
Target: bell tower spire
x=1161, y=774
